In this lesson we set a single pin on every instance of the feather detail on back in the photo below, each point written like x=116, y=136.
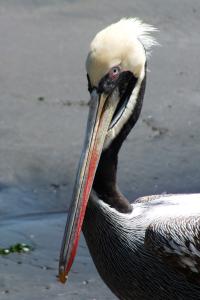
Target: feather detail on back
x=176, y=242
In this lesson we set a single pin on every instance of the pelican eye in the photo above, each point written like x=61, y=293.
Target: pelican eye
x=114, y=73
x=109, y=81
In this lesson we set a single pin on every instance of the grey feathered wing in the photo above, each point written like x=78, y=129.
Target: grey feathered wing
x=176, y=241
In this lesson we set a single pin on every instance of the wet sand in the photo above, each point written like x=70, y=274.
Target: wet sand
x=43, y=45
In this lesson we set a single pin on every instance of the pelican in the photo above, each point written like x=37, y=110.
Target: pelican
x=149, y=249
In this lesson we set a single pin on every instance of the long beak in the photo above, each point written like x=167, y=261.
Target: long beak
x=102, y=108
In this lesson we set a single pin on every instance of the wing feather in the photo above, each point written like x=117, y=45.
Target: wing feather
x=176, y=241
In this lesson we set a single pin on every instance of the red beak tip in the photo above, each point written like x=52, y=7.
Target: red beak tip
x=62, y=277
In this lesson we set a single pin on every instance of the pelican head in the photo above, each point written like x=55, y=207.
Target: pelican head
x=116, y=71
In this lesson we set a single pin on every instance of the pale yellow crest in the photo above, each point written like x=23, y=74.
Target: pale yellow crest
x=125, y=43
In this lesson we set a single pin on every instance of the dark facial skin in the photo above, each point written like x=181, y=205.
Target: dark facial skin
x=115, y=77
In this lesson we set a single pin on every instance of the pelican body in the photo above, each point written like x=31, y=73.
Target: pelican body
x=149, y=249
